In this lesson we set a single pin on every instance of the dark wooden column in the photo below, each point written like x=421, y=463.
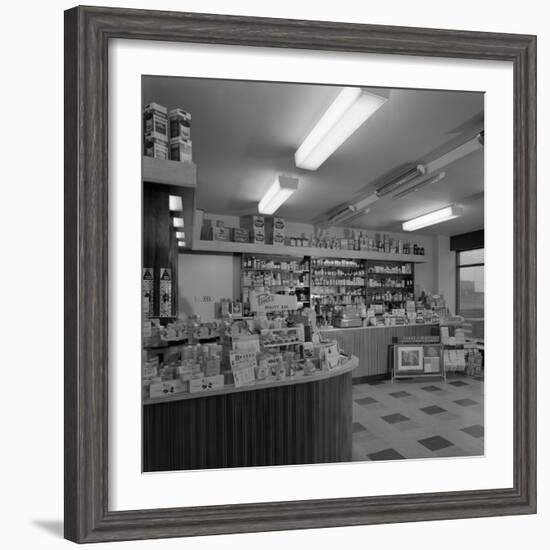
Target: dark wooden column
x=160, y=247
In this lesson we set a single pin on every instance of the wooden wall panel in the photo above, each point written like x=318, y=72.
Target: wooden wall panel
x=298, y=424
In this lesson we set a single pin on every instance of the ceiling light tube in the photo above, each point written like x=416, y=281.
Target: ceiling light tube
x=175, y=203
x=420, y=185
x=401, y=180
x=351, y=108
x=432, y=218
x=279, y=192
x=180, y=235
x=367, y=201
x=455, y=154
x=178, y=223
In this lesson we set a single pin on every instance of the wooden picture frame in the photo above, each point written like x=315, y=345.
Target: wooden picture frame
x=87, y=34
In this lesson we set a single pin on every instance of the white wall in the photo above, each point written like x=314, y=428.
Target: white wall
x=445, y=270
x=203, y=280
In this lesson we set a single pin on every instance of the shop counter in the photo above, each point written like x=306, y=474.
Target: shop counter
x=371, y=345
x=298, y=420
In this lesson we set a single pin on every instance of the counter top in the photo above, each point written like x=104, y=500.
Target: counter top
x=331, y=329
x=299, y=378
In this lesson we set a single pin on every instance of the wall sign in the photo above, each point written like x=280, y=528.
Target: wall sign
x=264, y=302
x=147, y=292
x=165, y=293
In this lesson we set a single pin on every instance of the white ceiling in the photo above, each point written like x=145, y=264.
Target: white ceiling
x=245, y=134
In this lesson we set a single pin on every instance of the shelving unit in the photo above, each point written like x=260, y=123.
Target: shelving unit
x=279, y=274
x=389, y=283
x=337, y=282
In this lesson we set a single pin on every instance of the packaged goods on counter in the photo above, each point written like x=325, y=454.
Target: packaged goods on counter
x=163, y=389
x=207, y=383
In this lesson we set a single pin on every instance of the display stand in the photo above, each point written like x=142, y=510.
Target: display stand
x=417, y=359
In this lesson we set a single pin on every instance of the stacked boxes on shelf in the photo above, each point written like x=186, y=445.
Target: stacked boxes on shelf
x=167, y=135
x=277, y=231
x=181, y=146
x=155, y=131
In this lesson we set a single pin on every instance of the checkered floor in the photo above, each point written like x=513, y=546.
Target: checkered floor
x=418, y=419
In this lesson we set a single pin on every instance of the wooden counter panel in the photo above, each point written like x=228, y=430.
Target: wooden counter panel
x=370, y=344
x=296, y=424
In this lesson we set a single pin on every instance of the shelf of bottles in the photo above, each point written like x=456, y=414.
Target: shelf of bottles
x=336, y=282
x=277, y=275
x=389, y=283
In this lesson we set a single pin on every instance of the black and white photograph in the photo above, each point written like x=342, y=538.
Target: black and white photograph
x=312, y=273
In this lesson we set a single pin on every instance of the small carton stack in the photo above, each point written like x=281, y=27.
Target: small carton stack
x=277, y=233
x=155, y=131
x=181, y=146
x=256, y=226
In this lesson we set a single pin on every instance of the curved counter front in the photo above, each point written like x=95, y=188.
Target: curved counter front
x=302, y=420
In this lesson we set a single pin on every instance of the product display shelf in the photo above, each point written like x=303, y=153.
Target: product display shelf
x=169, y=172
x=300, y=251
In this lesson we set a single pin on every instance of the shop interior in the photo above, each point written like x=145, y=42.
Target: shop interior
x=313, y=273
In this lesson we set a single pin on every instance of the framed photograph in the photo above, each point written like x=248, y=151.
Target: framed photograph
x=244, y=194
x=410, y=358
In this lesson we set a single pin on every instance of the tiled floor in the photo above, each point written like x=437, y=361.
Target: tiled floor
x=418, y=419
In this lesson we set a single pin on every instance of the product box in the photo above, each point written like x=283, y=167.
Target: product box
x=278, y=225
x=221, y=234
x=258, y=236
x=180, y=124
x=156, y=149
x=163, y=389
x=155, y=109
x=181, y=150
x=277, y=239
x=207, y=383
x=157, y=125
x=241, y=235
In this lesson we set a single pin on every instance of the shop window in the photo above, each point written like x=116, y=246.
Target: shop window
x=470, y=295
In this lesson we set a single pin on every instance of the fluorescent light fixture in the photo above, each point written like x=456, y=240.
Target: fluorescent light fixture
x=175, y=203
x=182, y=243
x=438, y=216
x=351, y=108
x=341, y=215
x=279, y=192
x=180, y=235
x=401, y=180
x=455, y=154
x=420, y=185
x=367, y=201
x=178, y=223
